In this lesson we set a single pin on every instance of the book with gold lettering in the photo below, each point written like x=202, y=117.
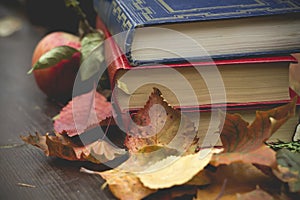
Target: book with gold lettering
x=250, y=84
x=164, y=31
x=235, y=83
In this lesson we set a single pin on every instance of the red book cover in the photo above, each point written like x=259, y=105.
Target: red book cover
x=295, y=78
x=293, y=94
x=116, y=61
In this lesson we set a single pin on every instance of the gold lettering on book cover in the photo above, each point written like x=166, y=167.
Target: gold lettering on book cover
x=146, y=11
x=169, y=8
x=121, y=16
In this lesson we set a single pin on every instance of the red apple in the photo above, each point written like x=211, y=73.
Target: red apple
x=57, y=81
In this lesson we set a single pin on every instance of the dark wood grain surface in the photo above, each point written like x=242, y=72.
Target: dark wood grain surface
x=25, y=109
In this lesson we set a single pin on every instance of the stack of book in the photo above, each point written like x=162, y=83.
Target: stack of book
x=202, y=55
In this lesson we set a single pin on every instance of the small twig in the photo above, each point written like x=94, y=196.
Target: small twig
x=26, y=185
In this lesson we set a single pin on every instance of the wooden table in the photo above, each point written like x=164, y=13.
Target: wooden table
x=26, y=173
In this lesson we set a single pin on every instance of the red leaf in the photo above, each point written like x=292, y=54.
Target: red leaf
x=83, y=112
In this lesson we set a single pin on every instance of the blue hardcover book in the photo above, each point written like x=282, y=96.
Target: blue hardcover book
x=159, y=31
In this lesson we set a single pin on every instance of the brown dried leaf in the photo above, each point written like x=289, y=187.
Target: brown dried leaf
x=83, y=112
x=237, y=178
x=128, y=181
x=125, y=185
x=245, y=143
x=263, y=156
x=158, y=124
x=61, y=146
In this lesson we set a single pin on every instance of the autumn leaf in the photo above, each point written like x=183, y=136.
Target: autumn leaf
x=61, y=146
x=83, y=112
x=125, y=185
x=175, y=170
x=288, y=169
x=158, y=124
x=148, y=155
x=231, y=182
x=246, y=143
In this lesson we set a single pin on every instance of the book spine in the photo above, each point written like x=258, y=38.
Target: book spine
x=115, y=58
x=113, y=15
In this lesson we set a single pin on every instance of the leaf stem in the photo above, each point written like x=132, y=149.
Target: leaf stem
x=84, y=24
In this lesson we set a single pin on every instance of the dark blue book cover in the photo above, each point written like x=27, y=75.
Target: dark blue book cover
x=127, y=15
x=132, y=13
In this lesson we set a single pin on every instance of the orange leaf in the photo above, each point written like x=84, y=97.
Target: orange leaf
x=83, y=112
x=125, y=185
x=245, y=143
x=158, y=124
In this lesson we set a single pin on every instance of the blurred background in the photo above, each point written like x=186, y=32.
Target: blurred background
x=49, y=15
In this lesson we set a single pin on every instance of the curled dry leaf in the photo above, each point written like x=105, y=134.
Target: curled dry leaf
x=61, y=146
x=125, y=185
x=161, y=125
x=83, y=112
x=245, y=143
